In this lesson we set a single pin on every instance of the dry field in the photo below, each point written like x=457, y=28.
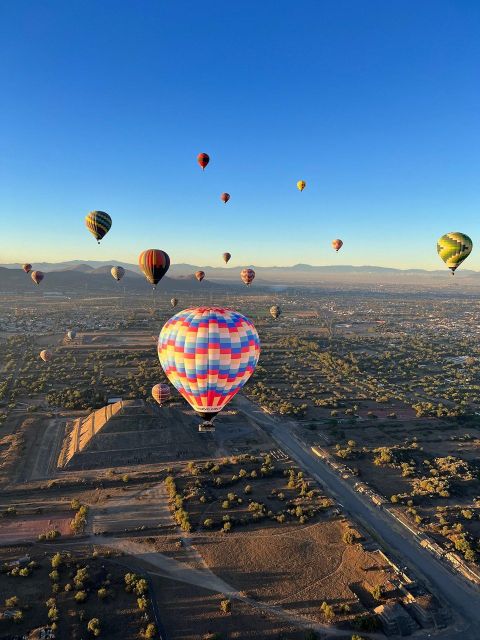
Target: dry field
x=297, y=567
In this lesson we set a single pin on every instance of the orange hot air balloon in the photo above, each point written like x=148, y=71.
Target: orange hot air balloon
x=154, y=263
x=200, y=275
x=203, y=159
x=161, y=393
x=225, y=197
x=247, y=276
x=37, y=276
x=27, y=267
x=46, y=355
x=337, y=244
x=226, y=256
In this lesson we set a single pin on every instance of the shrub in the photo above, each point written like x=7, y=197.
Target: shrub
x=94, y=626
x=226, y=605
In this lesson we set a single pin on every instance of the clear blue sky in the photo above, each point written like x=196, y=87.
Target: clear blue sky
x=106, y=104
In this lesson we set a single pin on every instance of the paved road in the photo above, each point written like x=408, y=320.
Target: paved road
x=462, y=596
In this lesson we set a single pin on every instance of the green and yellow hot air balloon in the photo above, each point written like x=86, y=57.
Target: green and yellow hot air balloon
x=453, y=248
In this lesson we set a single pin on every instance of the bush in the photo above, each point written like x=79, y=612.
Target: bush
x=80, y=596
x=12, y=602
x=94, y=626
x=348, y=536
x=226, y=606
x=150, y=631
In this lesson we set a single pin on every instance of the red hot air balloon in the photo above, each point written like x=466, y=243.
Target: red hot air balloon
x=225, y=197
x=27, y=267
x=203, y=159
x=247, y=275
x=37, y=276
x=161, y=393
x=154, y=263
x=337, y=244
x=46, y=355
x=200, y=275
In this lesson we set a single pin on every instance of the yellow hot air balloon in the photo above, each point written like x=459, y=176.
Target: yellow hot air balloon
x=453, y=248
x=301, y=184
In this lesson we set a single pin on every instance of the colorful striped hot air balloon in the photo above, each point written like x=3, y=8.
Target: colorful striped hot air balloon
x=98, y=223
x=208, y=354
x=453, y=248
x=301, y=184
x=200, y=275
x=225, y=197
x=45, y=355
x=154, y=263
x=247, y=276
x=117, y=273
x=337, y=244
x=37, y=276
x=203, y=159
x=161, y=393
x=27, y=267
x=226, y=257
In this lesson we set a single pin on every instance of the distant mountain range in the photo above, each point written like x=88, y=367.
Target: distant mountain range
x=95, y=275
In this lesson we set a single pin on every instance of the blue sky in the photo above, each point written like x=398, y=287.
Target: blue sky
x=105, y=105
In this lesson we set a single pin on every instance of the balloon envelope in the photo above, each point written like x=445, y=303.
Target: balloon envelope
x=37, y=276
x=301, y=184
x=200, y=275
x=27, y=267
x=208, y=354
x=203, y=159
x=154, y=263
x=225, y=197
x=46, y=355
x=117, y=273
x=453, y=248
x=247, y=276
x=337, y=244
x=275, y=311
x=72, y=334
x=226, y=257
x=174, y=302
x=98, y=223
x=161, y=393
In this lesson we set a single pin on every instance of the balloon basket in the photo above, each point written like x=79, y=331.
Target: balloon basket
x=206, y=427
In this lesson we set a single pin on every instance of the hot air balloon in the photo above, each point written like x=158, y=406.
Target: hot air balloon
x=200, y=275
x=154, y=263
x=453, y=248
x=72, y=334
x=46, y=355
x=226, y=257
x=208, y=354
x=174, y=302
x=301, y=184
x=275, y=311
x=37, y=276
x=203, y=159
x=27, y=267
x=225, y=197
x=247, y=275
x=98, y=223
x=117, y=273
x=337, y=244
x=161, y=393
